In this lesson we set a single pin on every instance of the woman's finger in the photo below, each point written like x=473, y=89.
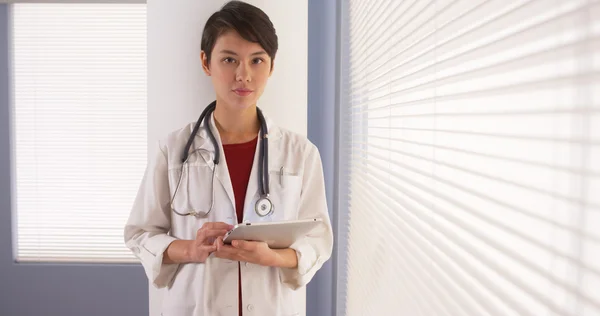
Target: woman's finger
x=205, y=234
x=219, y=243
x=227, y=256
x=243, y=244
x=208, y=248
x=230, y=250
x=226, y=252
x=217, y=225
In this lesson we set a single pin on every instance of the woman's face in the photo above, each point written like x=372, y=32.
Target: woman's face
x=239, y=70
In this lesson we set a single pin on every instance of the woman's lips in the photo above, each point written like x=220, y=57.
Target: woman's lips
x=243, y=92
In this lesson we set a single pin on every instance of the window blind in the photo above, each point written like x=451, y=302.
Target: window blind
x=472, y=132
x=79, y=122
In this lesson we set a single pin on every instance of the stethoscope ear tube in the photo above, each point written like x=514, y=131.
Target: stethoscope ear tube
x=264, y=163
x=211, y=107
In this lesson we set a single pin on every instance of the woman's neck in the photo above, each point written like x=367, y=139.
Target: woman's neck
x=236, y=126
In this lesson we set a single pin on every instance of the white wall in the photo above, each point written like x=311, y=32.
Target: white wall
x=178, y=89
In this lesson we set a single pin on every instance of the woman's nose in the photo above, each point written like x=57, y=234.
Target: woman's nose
x=243, y=73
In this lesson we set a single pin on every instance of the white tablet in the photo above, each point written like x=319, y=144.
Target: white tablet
x=277, y=235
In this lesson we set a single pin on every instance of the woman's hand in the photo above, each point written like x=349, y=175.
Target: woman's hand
x=205, y=242
x=257, y=253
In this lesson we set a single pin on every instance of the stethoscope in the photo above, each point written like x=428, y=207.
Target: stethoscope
x=263, y=206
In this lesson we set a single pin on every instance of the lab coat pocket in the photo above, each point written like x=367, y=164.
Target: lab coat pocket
x=178, y=310
x=286, y=188
x=178, y=298
x=288, y=301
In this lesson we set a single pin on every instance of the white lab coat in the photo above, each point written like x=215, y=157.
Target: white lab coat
x=211, y=288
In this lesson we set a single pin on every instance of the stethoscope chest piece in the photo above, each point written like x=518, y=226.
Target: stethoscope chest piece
x=264, y=206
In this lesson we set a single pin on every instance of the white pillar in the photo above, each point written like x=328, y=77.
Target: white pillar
x=178, y=89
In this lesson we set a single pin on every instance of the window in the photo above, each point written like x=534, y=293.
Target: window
x=472, y=130
x=79, y=128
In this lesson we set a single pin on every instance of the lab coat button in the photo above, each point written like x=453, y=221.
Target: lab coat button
x=250, y=307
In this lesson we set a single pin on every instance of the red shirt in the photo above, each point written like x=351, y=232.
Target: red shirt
x=240, y=158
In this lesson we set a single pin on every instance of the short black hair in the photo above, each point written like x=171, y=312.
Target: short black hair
x=250, y=22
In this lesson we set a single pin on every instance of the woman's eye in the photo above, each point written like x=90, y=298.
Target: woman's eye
x=258, y=60
x=228, y=60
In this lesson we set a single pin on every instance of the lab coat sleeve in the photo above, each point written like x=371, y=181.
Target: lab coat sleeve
x=146, y=231
x=315, y=249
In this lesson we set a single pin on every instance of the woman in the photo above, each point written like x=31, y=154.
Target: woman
x=188, y=200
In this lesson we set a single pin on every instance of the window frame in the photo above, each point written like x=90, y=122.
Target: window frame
x=12, y=138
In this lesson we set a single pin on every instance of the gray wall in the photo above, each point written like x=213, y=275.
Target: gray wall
x=322, y=97
x=93, y=289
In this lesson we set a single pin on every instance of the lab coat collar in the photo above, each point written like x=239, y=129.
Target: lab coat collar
x=274, y=132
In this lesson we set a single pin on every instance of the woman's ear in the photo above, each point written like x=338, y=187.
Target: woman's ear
x=204, y=60
x=272, y=66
